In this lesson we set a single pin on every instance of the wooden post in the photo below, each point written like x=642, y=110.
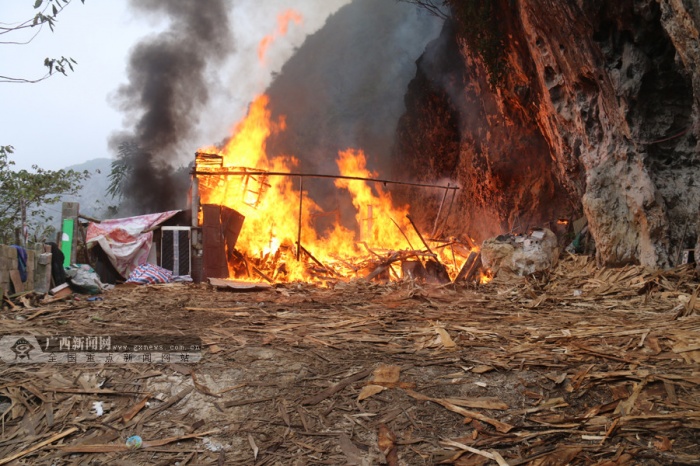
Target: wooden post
x=23, y=229
x=419, y=235
x=474, y=270
x=318, y=262
x=449, y=211
x=466, y=266
x=195, y=201
x=437, y=217
x=42, y=274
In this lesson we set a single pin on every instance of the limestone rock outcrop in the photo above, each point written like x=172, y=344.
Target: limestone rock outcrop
x=597, y=114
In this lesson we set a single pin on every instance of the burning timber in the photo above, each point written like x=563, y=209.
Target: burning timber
x=279, y=244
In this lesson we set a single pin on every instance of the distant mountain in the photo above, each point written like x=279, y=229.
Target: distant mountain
x=92, y=197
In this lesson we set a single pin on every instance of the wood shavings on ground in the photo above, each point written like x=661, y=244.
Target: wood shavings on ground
x=577, y=366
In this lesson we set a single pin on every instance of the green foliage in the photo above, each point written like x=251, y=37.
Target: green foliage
x=121, y=168
x=31, y=190
x=26, y=193
x=58, y=65
x=117, y=175
x=41, y=17
x=5, y=151
x=47, y=14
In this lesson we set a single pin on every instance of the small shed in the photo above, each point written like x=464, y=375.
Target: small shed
x=118, y=246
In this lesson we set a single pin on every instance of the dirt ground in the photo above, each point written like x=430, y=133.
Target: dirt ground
x=578, y=366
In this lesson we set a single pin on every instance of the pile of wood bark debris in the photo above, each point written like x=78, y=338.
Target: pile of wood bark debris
x=575, y=366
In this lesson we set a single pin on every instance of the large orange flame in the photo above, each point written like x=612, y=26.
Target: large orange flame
x=271, y=206
x=283, y=20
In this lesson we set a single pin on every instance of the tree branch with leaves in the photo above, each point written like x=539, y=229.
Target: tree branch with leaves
x=24, y=195
x=46, y=15
x=122, y=167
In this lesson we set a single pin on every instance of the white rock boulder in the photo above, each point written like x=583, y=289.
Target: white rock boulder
x=522, y=255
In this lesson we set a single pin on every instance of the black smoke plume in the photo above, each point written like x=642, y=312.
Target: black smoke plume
x=169, y=77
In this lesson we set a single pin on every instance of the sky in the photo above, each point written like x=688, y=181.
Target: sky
x=67, y=120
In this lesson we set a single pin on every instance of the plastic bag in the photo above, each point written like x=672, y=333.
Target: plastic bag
x=84, y=279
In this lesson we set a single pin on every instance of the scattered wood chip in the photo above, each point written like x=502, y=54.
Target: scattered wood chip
x=370, y=390
x=386, y=440
x=255, y=448
x=500, y=426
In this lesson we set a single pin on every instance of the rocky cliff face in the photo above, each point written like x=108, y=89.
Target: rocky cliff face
x=596, y=113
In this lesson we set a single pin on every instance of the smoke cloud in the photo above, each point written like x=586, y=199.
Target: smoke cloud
x=339, y=80
x=246, y=76
x=188, y=84
x=345, y=88
x=169, y=78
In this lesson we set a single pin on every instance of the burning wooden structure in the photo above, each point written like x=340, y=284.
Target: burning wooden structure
x=262, y=224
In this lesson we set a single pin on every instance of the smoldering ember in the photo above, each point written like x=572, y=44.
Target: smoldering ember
x=451, y=232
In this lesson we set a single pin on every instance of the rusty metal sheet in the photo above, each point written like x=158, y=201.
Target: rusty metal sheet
x=231, y=224
x=214, y=253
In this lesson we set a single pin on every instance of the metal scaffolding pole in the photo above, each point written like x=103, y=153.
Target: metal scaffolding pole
x=314, y=175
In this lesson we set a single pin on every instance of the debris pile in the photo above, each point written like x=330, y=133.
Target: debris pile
x=521, y=254
x=577, y=366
